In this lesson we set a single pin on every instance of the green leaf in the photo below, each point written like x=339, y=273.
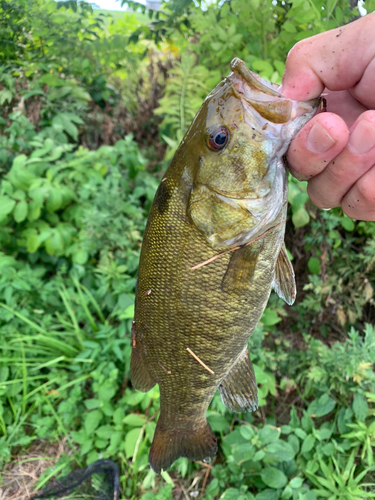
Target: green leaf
x=289, y=27
x=287, y=493
x=63, y=122
x=79, y=436
x=282, y=451
x=92, y=404
x=19, y=195
x=80, y=94
x=6, y=205
x=86, y=446
x=150, y=430
x=218, y=423
x=92, y=420
x=308, y=444
x=216, y=46
x=51, y=79
x=246, y=432
x=131, y=439
x=285, y=429
x=116, y=439
x=5, y=96
x=55, y=243
x=54, y=200
x=243, y=453
x=300, y=218
x=322, y=406
x=307, y=423
x=360, y=407
x=19, y=161
x=268, y=434
x=268, y=495
x=296, y=482
x=294, y=442
x=263, y=67
x=104, y=431
x=80, y=257
x=273, y=478
x=270, y=317
x=128, y=313
x=20, y=211
x=34, y=210
x=101, y=443
x=259, y=455
x=328, y=449
x=347, y=223
x=135, y=420
x=32, y=242
x=118, y=415
x=313, y=265
x=235, y=494
x=106, y=392
x=4, y=373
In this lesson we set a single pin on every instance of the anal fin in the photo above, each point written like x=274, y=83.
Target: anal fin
x=239, y=389
x=284, y=282
x=139, y=373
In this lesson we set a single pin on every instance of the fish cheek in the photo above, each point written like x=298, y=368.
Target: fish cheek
x=217, y=219
x=239, y=171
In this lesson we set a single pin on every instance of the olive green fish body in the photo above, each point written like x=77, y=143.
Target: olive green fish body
x=212, y=251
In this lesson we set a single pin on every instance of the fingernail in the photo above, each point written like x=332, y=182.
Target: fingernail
x=319, y=141
x=362, y=139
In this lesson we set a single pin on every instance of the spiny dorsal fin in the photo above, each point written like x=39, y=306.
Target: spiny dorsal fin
x=284, y=282
x=239, y=389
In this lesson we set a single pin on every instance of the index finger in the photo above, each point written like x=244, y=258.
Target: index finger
x=338, y=59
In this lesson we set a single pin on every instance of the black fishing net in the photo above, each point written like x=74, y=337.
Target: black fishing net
x=99, y=481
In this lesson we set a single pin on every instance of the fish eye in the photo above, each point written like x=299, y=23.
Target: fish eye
x=218, y=138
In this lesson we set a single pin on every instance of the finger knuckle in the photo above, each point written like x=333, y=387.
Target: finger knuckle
x=315, y=198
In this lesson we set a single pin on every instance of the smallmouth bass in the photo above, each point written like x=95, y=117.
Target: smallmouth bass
x=213, y=249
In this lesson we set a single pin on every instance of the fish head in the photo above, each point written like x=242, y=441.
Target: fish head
x=239, y=137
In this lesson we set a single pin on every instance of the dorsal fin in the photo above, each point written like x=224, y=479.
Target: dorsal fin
x=284, y=282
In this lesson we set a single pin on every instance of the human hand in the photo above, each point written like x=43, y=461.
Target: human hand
x=335, y=151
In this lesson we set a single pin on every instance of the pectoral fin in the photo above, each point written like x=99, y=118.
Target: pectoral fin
x=239, y=389
x=284, y=282
x=241, y=268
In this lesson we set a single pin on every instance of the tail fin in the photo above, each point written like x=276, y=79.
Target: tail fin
x=171, y=443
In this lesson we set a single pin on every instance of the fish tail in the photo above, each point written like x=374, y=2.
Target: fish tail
x=198, y=443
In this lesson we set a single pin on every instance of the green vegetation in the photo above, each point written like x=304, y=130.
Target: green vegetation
x=93, y=107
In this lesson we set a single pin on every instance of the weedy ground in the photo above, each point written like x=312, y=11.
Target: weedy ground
x=76, y=187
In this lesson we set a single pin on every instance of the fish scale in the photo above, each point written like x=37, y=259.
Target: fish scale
x=206, y=271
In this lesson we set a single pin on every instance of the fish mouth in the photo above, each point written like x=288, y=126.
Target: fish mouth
x=264, y=98
x=237, y=65
x=236, y=199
